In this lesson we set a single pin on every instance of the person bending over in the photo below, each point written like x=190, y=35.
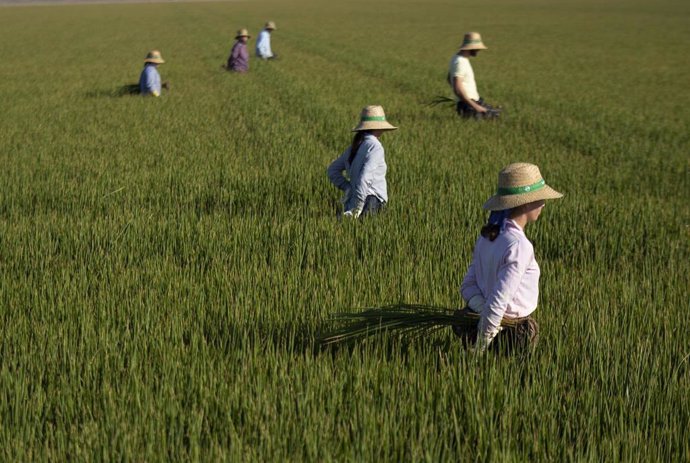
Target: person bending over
x=365, y=164
x=461, y=80
x=503, y=279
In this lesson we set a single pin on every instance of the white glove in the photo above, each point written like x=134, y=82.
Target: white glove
x=485, y=334
x=355, y=212
x=477, y=303
x=352, y=213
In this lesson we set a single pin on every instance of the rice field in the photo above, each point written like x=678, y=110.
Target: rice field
x=166, y=265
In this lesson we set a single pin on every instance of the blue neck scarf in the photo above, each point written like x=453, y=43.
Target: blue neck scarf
x=499, y=218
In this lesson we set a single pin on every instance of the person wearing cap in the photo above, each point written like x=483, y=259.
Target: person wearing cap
x=238, y=60
x=150, y=79
x=263, y=42
x=365, y=190
x=502, y=280
x=461, y=80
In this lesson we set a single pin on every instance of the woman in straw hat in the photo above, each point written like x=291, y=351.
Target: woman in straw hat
x=365, y=165
x=503, y=278
x=461, y=80
x=150, y=79
x=238, y=60
x=263, y=42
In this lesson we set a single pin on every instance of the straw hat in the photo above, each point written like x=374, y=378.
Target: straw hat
x=373, y=118
x=519, y=184
x=242, y=33
x=154, y=56
x=270, y=25
x=472, y=41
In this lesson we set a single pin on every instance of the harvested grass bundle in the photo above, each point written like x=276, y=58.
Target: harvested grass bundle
x=441, y=100
x=408, y=320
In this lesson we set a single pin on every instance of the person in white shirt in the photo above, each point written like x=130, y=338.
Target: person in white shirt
x=365, y=187
x=461, y=80
x=503, y=279
x=263, y=42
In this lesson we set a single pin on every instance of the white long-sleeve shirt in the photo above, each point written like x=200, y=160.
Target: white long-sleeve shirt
x=506, y=274
x=263, y=45
x=367, y=173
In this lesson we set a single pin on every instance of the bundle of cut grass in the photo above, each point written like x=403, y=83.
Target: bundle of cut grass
x=405, y=320
x=441, y=100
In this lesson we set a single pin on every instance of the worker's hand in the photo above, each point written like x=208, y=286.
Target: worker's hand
x=485, y=334
x=477, y=303
x=480, y=109
x=484, y=339
x=357, y=210
x=353, y=213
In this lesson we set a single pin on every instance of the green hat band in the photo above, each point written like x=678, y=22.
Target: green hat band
x=518, y=190
x=468, y=42
x=373, y=118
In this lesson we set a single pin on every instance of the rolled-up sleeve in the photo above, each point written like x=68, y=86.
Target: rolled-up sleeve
x=336, y=169
x=513, y=266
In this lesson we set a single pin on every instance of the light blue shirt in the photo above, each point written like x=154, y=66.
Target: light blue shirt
x=367, y=173
x=150, y=81
x=263, y=45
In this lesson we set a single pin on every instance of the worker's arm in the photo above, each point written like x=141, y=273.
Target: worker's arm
x=461, y=93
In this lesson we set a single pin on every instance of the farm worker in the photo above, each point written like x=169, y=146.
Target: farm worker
x=150, y=79
x=238, y=60
x=503, y=278
x=461, y=80
x=364, y=162
x=263, y=41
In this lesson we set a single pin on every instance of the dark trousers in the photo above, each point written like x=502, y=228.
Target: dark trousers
x=465, y=110
x=519, y=338
x=372, y=206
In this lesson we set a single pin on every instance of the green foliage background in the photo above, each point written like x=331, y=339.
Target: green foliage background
x=166, y=264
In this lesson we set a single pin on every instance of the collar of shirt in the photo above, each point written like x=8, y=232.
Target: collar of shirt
x=510, y=223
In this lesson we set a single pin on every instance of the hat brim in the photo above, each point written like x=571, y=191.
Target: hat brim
x=374, y=125
x=154, y=60
x=474, y=46
x=240, y=36
x=503, y=202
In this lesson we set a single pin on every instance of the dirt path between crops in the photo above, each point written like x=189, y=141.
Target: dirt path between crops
x=92, y=2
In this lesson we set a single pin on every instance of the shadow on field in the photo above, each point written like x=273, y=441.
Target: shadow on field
x=303, y=340
x=387, y=347
x=125, y=90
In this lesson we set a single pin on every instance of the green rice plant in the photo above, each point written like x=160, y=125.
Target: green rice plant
x=167, y=265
